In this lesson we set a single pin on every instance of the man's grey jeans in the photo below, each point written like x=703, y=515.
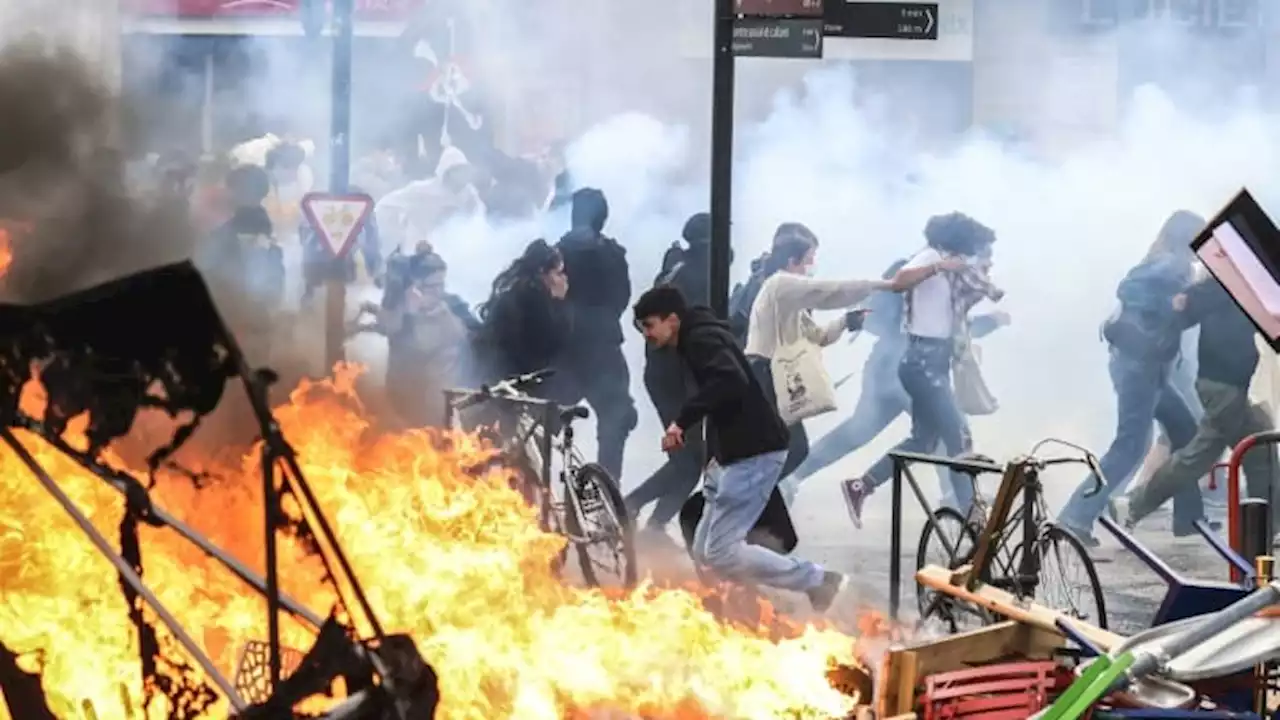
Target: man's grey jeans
x=736, y=495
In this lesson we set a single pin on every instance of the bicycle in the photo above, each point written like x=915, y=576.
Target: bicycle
x=586, y=505
x=1011, y=548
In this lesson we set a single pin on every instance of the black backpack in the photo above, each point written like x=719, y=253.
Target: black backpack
x=740, y=302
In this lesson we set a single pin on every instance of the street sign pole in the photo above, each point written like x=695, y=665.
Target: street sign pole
x=337, y=219
x=339, y=171
x=722, y=101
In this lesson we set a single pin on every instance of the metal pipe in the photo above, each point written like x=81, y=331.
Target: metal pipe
x=722, y=107
x=1270, y=437
x=1264, y=570
x=127, y=573
x=1149, y=661
x=112, y=477
x=270, y=502
x=895, y=542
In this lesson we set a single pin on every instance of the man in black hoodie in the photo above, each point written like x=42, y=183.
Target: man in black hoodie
x=1228, y=358
x=599, y=291
x=747, y=442
x=686, y=269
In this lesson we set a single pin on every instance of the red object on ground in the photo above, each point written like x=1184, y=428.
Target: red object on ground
x=1010, y=691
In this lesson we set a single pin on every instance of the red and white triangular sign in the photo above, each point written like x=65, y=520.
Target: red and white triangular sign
x=337, y=218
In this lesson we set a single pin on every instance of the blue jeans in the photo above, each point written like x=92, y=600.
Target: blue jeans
x=925, y=372
x=736, y=495
x=882, y=401
x=1143, y=393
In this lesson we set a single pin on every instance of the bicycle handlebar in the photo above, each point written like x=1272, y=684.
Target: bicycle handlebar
x=1086, y=458
x=507, y=387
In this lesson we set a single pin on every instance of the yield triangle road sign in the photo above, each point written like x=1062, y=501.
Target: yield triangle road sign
x=337, y=218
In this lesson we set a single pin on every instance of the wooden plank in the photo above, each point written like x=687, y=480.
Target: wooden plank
x=1007, y=605
x=908, y=678
x=886, y=686
x=1010, y=484
x=1008, y=639
x=907, y=716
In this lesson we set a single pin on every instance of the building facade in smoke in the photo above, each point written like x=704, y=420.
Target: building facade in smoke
x=1065, y=71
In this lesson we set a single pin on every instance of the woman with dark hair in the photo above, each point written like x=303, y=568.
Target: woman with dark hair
x=782, y=314
x=526, y=322
x=883, y=399
x=936, y=307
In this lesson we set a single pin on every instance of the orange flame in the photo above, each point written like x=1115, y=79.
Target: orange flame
x=455, y=561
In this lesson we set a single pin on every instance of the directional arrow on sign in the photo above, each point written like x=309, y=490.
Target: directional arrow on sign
x=337, y=218
x=928, y=14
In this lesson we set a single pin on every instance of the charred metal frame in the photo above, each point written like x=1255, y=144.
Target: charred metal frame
x=276, y=453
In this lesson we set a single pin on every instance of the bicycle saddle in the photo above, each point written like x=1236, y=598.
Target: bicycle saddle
x=569, y=413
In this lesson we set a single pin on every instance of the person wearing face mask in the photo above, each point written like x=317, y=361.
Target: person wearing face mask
x=783, y=312
x=427, y=335
x=941, y=283
x=525, y=321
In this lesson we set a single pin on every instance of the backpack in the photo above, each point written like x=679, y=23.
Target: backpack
x=672, y=263
x=740, y=302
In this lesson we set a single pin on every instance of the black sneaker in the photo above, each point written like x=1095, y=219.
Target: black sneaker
x=823, y=596
x=855, y=493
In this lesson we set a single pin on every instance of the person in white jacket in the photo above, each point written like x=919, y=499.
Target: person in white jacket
x=782, y=312
x=409, y=215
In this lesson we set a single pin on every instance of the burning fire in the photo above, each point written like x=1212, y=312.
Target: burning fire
x=456, y=562
x=6, y=251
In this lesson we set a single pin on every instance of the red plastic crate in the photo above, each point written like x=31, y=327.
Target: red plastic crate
x=1011, y=691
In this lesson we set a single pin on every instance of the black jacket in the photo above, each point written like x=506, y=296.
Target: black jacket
x=525, y=329
x=1227, y=351
x=741, y=421
x=599, y=277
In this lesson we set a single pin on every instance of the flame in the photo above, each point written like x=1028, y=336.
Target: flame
x=455, y=561
x=6, y=250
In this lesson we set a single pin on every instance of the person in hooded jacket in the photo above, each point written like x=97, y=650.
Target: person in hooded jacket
x=414, y=211
x=686, y=269
x=1144, y=337
x=747, y=441
x=599, y=293
x=525, y=321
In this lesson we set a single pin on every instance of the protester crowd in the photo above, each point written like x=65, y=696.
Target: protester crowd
x=734, y=394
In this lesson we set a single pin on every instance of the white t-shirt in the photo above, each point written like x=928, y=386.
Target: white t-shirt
x=930, y=313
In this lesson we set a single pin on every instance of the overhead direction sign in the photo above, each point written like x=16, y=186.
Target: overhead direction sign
x=891, y=20
x=780, y=8
x=337, y=218
x=778, y=37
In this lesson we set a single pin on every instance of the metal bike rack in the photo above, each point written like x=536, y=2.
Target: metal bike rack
x=901, y=470
x=1269, y=438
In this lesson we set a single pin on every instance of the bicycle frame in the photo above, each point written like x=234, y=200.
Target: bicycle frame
x=1021, y=477
x=533, y=417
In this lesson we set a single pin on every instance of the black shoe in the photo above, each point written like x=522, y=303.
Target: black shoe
x=823, y=596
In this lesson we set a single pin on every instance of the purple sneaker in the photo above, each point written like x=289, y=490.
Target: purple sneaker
x=855, y=493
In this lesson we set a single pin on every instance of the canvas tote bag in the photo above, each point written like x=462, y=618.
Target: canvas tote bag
x=800, y=381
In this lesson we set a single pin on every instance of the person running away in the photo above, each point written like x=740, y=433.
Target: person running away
x=1227, y=360
x=1143, y=338
x=525, y=321
x=688, y=270
x=746, y=440
x=883, y=399
x=940, y=289
x=782, y=314
x=599, y=292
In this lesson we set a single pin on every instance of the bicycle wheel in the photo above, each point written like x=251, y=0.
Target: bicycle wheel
x=960, y=535
x=600, y=529
x=1068, y=580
